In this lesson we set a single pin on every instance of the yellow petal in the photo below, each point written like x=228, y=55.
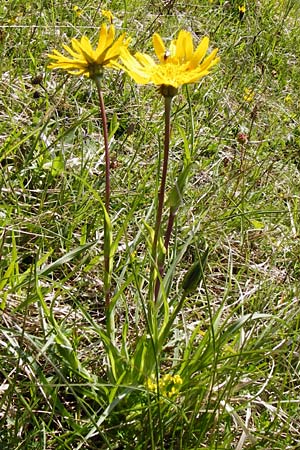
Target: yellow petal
x=200, y=52
x=184, y=46
x=145, y=60
x=195, y=75
x=172, y=49
x=72, y=53
x=159, y=47
x=113, y=52
x=139, y=78
x=160, y=79
x=129, y=61
x=80, y=48
x=55, y=55
x=102, y=40
x=210, y=61
x=69, y=64
x=108, y=15
x=87, y=49
x=133, y=67
x=110, y=36
x=76, y=45
x=70, y=67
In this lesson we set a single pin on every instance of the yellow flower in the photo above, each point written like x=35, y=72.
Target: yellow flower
x=249, y=95
x=242, y=9
x=288, y=99
x=169, y=385
x=178, y=65
x=87, y=61
x=77, y=10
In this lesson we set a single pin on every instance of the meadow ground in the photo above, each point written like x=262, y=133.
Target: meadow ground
x=214, y=367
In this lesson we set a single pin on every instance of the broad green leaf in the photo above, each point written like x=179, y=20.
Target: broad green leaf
x=56, y=166
x=195, y=274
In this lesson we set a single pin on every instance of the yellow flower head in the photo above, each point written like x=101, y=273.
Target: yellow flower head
x=169, y=385
x=288, y=99
x=249, y=95
x=77, y=10
x=84, y=59
x=178, y=65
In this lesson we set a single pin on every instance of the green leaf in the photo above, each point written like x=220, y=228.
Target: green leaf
x=56, y=166
x=174, y=199
x=195, y=275
x=190, y=283
x=64, y=259
x=10, y=272
x=113, y=126
x=66, y=350
x=186, y=144
x=257, y=224
x=143, y=360
x=150, y=238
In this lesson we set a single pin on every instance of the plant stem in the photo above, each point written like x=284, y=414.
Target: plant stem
x=171, y=219
x=161, y=195
x=106, y=147
x=107, y=190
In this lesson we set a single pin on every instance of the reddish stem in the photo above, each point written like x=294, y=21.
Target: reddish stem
x=161, y=195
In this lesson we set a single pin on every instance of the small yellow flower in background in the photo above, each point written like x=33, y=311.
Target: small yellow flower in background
x=178, y=65
x=242, y=10
x=169, y=385
x=151, y=384
x=288, y=99
x=77, y=10
x=15, y=19
x=249, y=95
x=87, y=61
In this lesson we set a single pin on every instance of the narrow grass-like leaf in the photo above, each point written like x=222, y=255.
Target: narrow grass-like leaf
x=64, y=259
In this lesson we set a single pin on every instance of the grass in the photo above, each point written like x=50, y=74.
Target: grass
x=234, y=343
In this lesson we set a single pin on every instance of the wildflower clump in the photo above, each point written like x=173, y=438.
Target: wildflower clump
x=85, y=60
x=168, y=385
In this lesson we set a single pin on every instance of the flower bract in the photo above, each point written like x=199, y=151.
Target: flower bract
x=178, y=65
x=84, y=60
